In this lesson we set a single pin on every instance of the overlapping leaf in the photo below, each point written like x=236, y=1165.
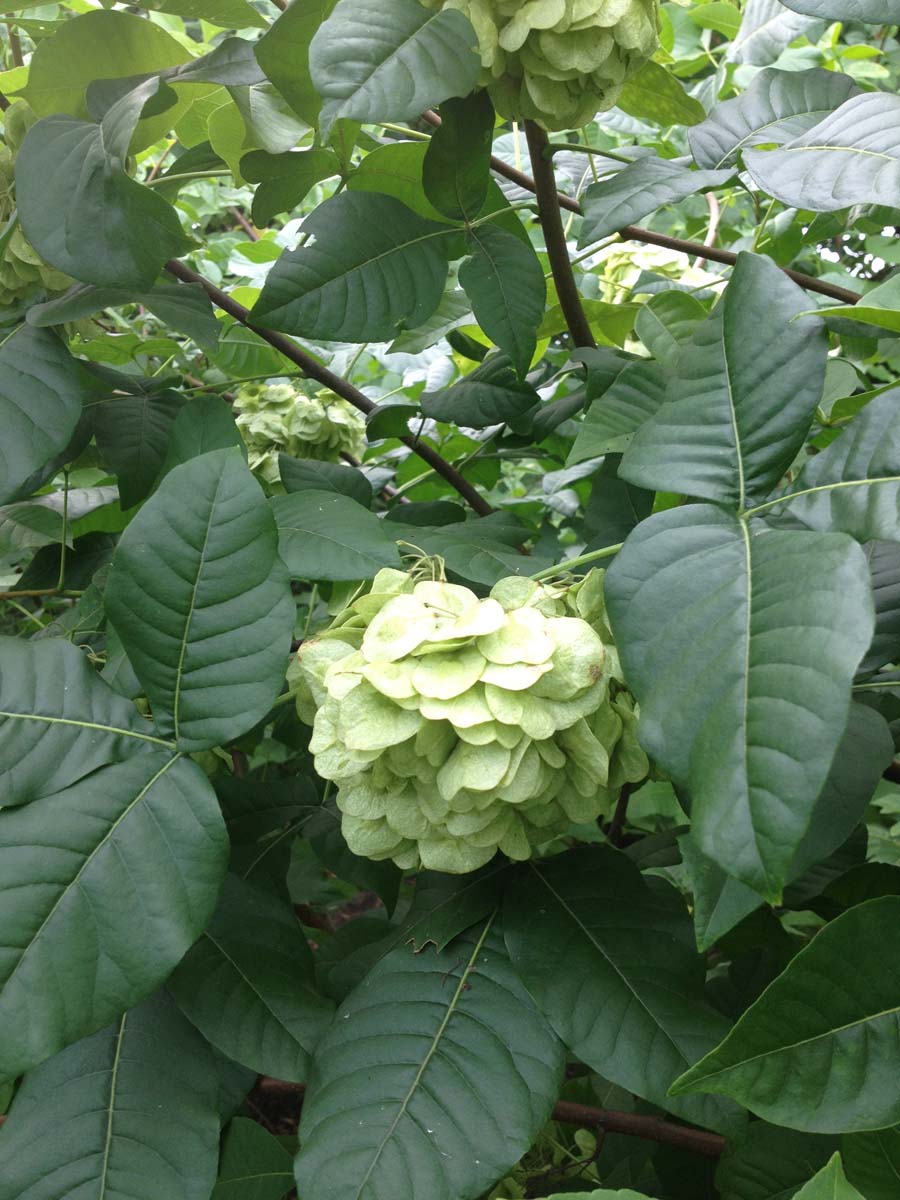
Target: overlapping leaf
x=768, y=28
x=505, y=285
x=639, y=189
x=324, y=535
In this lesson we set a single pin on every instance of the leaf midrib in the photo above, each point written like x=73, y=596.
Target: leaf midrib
x=113, y=1083
x=142, y=737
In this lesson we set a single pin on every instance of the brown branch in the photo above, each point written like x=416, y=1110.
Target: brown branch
x=15, y=45
x=4, y=103
x=34, y=593
x=638, y=234
x=652, y=1129
x=617, y=824
x=555, y=236
x=338, y=385
x=249, y=229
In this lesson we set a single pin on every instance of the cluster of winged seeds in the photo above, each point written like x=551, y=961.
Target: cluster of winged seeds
x=22, y=271
x=559, y=61
x=455, y=726
x=278, y=418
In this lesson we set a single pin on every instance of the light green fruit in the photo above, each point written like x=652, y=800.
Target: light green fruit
x=279, y=418
x=559, y=61
x=455, y=726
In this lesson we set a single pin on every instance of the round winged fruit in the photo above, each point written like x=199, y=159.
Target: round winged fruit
x=559, y=61
x=279, y=418
x=455, y=726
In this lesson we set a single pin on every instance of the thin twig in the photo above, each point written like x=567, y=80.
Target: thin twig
x=35, y=593
x=250, y=231
x=338, y=385
x=617, y=824
x=638, y=234
x=555, y=237
x=15, y=44
x=715, y=213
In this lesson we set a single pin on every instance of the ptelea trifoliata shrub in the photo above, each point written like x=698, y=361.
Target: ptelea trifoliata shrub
x=22, y=271
x=279, y=418
x=455, y=726
x=559, y=61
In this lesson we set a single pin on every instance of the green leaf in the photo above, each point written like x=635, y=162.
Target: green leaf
x=766, y=30
x=397, y=170
x=884, y=565
x=489, y=395
x=872, y=1161
x=373, y=268
x=58, y=720
x=132, y=435
x=184, y=306
x=610, y=423
x=611, y=964
x=777, y=107
x=735, y=418
x=254, y=1164
x=878, y=12
x=444, y=906
x=879, y=307
x=263, y=817
x=226, y=14
x=740, y=645
x=851, y=157
x=105, y=887
x=768, y=1162
x=853, y=485
x=474, y=1047
x=819, y=1058
x=666, y=323
x=322, y=829
x=830, y=1184
x=328, y=536
x=638, y=190
x=717, y=15
x=457, y=165
x=247, y=984
x=283, y=53
x=285, y=179
x=127, y=1114
x=72, y=167
x=504, y=281
x=202, y=602
x=654, y=94
x=205, y=423
x=613, y=507
x=388, y=60
x=305, y=474
x=41, y=393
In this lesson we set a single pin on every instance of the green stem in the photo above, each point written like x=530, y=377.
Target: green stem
x=406, y=131
x=576, y=148
x=161, y=179
x=582, y=560
x=65, y=533
x=876, y=685
x=313, y=600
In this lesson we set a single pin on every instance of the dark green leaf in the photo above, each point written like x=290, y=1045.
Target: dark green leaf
x=205, y=423
x=505, y=283
x=851, y=157
x=768, y=1163
x=247, y=984
x=823, y=1059
x=735, y=417
x=133, y=435
x=666, y=323
x=285, y=179
x=445, y=906
x=631, y=399
x=283, y=53
x=457, y=165
x=263, y=817
x=872, y=1162
x=41, y=392
x=489, y=395
x=322, y=829
x=303, y=474
x=202, y=602
x=323, y=535
x=708, y=614
x=254, y=1164
x=107, y=884
x=474, y=1047
x=613, y=507
x=184, y=306
x=127, y=1114
x=374, y=267
x=388, y=60
x=638, y=190
x=612, y=965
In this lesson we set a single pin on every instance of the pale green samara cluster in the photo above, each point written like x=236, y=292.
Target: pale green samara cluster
x=559, y=61
x=454, y=727
x=279, y=418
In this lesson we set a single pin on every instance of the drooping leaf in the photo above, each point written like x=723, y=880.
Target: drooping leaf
x=456, y=169
x=768, y=1162
x=202, y=602
x=612, y=966
x=373, y=268
x=751, y=742
x=654, y=94
x=613, y=507
x=41, y=392
x=768, y=28
x=851, y=157
x=777, y=107
x=473, y=1041
x=638, y=190
x=879, y=308
x=666, y=323
x=388, y=60
x=58, y=719
x=133, y=434
x=105, y=886
x=872, y=1161
x=505, y=284
x=854, y=484
x=263, y=816
x=489, y=395
x=734, y=418
x=254, y=1164
x=205, y=423
x=816, y=1058
x=305, y=474
x=129, y=1113
x=283, y=53
x=285, y=179
x=632, y=398
x=247, y=984
x=323, y=535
